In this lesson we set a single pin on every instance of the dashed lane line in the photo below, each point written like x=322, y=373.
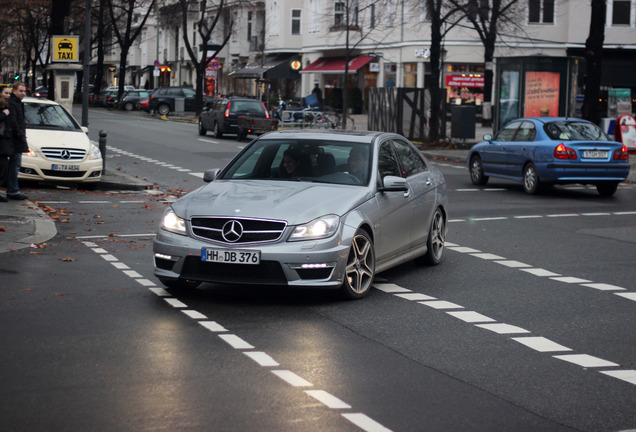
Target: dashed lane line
x=559, y=215
x=261, y=358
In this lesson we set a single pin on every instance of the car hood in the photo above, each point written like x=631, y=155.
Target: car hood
x=38, y=138
x=293, y=202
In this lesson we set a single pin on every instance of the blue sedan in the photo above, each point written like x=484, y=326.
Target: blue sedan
x=544, y=151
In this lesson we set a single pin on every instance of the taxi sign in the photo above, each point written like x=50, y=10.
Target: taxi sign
x=65, y=48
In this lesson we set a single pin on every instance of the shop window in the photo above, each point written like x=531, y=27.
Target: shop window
x=389, y=74
x=541, y=11
x=295, y=21
x=410, y=74
x=621, y=12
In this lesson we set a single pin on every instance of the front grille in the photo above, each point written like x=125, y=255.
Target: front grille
x=63, y=154
x=252, y=230
x=319, y=273
x=69, y=174
x=267, y=272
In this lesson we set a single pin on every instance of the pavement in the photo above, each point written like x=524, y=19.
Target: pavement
x=23, y=224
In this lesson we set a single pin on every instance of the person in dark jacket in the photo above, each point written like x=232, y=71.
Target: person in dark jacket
x=6, y=146
x=17, y=125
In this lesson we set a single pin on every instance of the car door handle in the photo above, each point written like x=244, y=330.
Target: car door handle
x=429, y=181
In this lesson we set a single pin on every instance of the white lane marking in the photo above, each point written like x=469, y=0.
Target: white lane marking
x=109, y=257
x=470, y=316
x=213, y=326
x=99, y=250
x=208, y=141
x=175, y=303
x=292, y=379
x=603, y=286
x=160, y=292
x=94, y=202
x=628, y=296
x=502, y=328
x=365, y=423
x=513, y=264
x=131, y=273
x=539, y=272
x=441, y=304
x=415, y=296
x=196, y=315
x=488, y=218
x=390, y=288
x=120, y=265
x=596, y=214
x=570, y=280
x=462, y=249
x=196, y=174
x=541, y=344
x=527, y=217
x=487, y=256
x=145, y=282
x=628, y=375
x=263, y=359
x=586, y=361
x=109, y=235
x=235, y=342
x=563, y=215
x=327, y=399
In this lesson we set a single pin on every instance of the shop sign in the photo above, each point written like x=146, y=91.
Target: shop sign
x=464, y=81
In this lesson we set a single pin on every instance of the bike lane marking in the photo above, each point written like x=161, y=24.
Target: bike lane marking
x=263, y=359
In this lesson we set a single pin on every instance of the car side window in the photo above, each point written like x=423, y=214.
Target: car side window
x=387, y=162
x=508, y=132
x=188, y=92
x=411, y=162
x=526, y=132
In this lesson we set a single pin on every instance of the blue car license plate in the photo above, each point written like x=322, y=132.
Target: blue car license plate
x=230, y=256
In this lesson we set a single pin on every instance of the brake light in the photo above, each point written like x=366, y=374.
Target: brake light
x=266, y=112
x=621, y=154
x=227, y=110
x=563, y=152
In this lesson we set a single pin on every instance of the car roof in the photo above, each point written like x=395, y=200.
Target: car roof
x=344, y=136
x=40, y=101
x=545, y=120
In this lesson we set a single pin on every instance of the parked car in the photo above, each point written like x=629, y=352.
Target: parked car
x=162, y=99
x=131, y=98
x=221, y=115
x=143, y=104
x=110, y=100
x=41, y=92
x=116, y=88
x=99, y=99
x=59, y=148
x=545, y=151
x=355, y=205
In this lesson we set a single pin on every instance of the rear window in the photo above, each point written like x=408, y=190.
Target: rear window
x=575, y=131
x=249, y=107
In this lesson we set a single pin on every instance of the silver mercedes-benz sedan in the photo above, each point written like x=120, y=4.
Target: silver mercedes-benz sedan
x=307, y=209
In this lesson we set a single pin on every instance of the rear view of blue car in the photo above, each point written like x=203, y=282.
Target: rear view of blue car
x=544, y=151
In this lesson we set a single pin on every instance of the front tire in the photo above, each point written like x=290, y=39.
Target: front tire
x=217, y=131
x=531, y=182
x=128, y=106
x=436, y=239
x=607, y=188
x=477, y=171
x=202, y=130
x=360, y=268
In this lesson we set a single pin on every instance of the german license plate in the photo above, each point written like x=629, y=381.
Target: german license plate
x=230, y=256
x=60, y=167
x=595, y=154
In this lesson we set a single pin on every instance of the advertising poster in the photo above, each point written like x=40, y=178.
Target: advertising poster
x=542, y=94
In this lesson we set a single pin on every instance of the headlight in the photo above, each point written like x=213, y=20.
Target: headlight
x=322, y=227
x=172, y=222
x=94, y=153
x=30, y=153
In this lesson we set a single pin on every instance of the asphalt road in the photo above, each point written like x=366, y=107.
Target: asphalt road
x=529, y=324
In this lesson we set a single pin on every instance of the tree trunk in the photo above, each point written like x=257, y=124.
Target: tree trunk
x=593, y=58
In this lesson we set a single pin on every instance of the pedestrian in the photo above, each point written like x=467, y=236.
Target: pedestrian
x=17, y=125
x=6, y=147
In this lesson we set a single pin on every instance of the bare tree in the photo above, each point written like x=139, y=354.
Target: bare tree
x=206, y=21
x=124, y=15
x=593, y=59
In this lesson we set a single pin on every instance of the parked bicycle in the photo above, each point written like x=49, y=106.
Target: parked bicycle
x=323, y=120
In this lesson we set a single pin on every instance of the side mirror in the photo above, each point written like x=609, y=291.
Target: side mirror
x=85, y=129
x=488, y=137
x=210, y=174
x=394, y=184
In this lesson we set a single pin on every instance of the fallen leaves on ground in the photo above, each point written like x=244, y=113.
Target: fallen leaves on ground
x=67, y=259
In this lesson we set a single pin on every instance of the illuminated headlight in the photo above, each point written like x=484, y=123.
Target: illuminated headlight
x=94, y=153
x=322, y=227
x=30, y=153
x=173, y=223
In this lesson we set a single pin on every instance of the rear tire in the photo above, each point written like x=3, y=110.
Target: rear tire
x=217, y=131
x=477, y=171
x=531, y=182
x=163, y=109
x=607, y=189
x=360, y=268
x=128, y=106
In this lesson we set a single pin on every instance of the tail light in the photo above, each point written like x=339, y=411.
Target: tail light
x=621, y=154
x=227, y=110
x=265, y=109
x=563, y=152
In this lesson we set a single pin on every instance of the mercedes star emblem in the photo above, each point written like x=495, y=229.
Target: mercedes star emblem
x=232, y=231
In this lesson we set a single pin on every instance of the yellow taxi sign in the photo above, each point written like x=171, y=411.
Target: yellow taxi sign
x=65, y=48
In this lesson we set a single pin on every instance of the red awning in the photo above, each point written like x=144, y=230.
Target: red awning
x=336, y=65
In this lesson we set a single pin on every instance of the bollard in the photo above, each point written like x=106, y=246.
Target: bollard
x=102, y=148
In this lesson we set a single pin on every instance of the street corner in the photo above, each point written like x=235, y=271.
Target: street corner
x=23, y=224
x=116, y=180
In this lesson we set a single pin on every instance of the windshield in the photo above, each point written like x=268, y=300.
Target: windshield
x=303, y=160
x=575, y=131
x=48, y=116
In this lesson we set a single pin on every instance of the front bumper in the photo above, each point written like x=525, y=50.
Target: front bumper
x=313, y=263
x=40, y=169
